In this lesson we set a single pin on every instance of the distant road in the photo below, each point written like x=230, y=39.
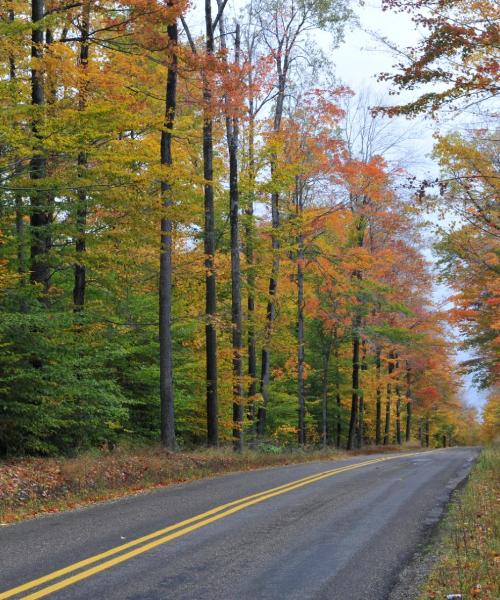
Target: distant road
x=326, y=530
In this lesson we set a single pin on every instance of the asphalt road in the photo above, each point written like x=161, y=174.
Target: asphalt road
x=326, y=530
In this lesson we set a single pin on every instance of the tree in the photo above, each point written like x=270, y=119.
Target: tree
x=458, y=52
x=166, y=229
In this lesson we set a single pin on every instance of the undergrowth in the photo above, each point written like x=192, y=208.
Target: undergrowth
x=468, y=564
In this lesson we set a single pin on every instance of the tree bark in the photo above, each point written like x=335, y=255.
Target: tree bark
x=273, y=281
x=167, y=414
x=324, y=403
x=361, y=400
x=232, y=137
x=300, y=316
x=408, y=404
x=209, y=247
x=18, y=198
x=41, y=213
x=378, y=401
x=338, y=399
x=398, y=410
x=355, y=383
x=79, y=286
x=300, y=343
x=427, y=432
x=390, y=370
x=249, y=255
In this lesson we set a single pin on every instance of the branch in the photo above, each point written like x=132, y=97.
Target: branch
x=188, y=34
x=222, y=6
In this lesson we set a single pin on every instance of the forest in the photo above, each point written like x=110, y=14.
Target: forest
x=206, y=238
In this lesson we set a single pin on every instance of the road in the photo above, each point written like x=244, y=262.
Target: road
x=326, y=530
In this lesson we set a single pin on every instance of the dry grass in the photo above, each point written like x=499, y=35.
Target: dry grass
x=469, y=559
x=30, y=486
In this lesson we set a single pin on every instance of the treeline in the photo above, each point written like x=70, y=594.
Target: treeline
x=202, y=241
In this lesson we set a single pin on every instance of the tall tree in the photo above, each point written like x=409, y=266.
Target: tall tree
x=209, y=242
x=167, y=427
x=80, y=281
x=41, y=210
x=408, y=404
x=232, y=139
x=388, y=402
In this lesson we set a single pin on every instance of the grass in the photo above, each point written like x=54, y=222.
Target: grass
x=468, y=563
x=31, y=486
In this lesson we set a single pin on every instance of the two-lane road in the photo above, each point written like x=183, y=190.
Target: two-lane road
x=327, y=530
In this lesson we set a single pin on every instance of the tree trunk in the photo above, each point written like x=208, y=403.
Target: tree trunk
x=398, y=410
x=427, y=432
x=300, y=342
x=232, y=137
x=41, y=213
x=398, y=415
x=338, y=423
x=273, y=281
x=356, y=326
x=324, y=404
x=378, y=405
x=408, y=404
x=361, y=400
x=79, y=286
x=209, y=247
x=249, y=254
x=420, y=432
x=18, y=198
x=361, y=421
x=165, y=292
x=390, y=370
x=355, y=384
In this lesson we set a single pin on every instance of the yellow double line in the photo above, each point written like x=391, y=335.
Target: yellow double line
x=174, y=531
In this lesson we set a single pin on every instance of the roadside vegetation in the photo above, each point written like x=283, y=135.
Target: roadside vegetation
x=36, y=485
x=468, y=561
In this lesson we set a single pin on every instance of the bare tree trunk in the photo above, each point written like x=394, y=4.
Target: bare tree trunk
x=361, y=407
x=378, y=406
x=79, y=286
x=41, y=213
x=390, y=370
x=356, y=327
x=300, y=342
x=18, y=198
x=273, y=281
x=398, y=415
x=209, y=246
x=398, y=410
x=167, y=425
x=355, y=383
x=232, y=137
x=427, y=432
x=338, y=400
x=249, y=254
x=324, y=404
x=408, y=403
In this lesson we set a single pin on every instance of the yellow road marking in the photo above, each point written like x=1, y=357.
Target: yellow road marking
x=145, y=538
x=183, y=527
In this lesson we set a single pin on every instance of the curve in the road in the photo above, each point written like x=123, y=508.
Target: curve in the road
x=173, y=531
